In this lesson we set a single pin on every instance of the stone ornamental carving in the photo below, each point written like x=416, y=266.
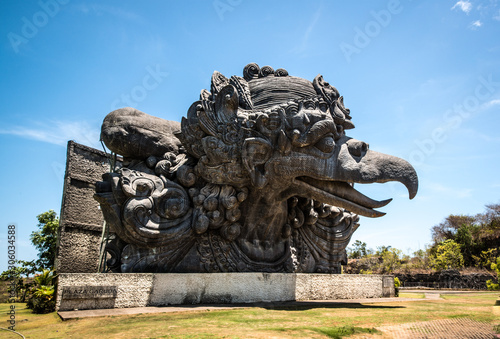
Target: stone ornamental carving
x=258, y=177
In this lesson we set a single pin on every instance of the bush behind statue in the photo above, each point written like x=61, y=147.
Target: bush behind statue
x=41, y=296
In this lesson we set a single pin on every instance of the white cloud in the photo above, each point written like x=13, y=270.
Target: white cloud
x=497, y=16
x=58, y=133
x=473, y=134
x=476, y=24
x=457, y=193
x=491, y=103
x=465, y=6
x=305, y=38
x=106, y=10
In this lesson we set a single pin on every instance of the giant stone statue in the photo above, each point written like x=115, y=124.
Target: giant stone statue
x=258, y=177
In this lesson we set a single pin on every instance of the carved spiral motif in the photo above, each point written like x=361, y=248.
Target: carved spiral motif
x=186, y=176
x=163, y=167
x=137, y=184
x=266, y=71
x=114, y=256
x=280, y=72
x=251, y=71
x=136, y=212
x=173, y=203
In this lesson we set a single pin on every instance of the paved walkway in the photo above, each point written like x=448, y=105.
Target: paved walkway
x=462, y=328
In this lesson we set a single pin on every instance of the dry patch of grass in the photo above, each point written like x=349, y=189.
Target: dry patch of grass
x=412, y=295
x=325, y=321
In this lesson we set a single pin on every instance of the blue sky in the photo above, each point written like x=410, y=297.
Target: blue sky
x=422, y=80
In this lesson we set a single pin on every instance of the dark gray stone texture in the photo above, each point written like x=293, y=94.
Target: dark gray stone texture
x=451, y=278
x=81, y=221
x=258, y=177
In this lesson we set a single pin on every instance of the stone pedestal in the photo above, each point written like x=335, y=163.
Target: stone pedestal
x=108, y=290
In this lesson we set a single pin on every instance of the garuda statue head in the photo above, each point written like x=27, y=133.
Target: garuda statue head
x=257, y=177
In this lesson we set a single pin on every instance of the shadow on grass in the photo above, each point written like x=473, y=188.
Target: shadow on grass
x=301, y=306
x=291, y=305
x=332, y=332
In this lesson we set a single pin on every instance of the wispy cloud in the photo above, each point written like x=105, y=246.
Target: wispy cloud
x=464, y=6
x=497, y=16
x=58, y=133
x=103, y=9
x=305, y=38
x=491, y=103
x=476, y=24
x=458, y=193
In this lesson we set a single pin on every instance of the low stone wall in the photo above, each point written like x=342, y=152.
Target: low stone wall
x=116, y=290
x=343, y=286
x=447, y=279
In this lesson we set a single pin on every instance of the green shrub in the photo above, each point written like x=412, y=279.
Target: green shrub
x=397, y=285
x=43, y=300
x=448, y=255
x=490, y=284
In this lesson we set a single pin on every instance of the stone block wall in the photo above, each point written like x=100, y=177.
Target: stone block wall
x=451, y=278
x=81, y=221
x=343, y=286
x=122, y=290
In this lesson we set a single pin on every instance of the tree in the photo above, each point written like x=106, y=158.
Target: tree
x=391, y=259
x=448, y=228
x=447, y=255
x=45, y=239
x=382, y=249
x=478, y=236
x=358, y=250
x=420, y=259
x=464, y=238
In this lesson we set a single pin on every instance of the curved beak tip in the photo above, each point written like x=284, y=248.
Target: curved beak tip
x=413, y=190
x=385, y=202
x=377, y=214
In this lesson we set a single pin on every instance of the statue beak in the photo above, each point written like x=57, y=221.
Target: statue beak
x=375, y=167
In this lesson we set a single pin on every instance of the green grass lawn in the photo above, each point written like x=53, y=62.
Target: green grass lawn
x=333, y=321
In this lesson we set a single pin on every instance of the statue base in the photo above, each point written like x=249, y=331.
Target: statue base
x=83, y=291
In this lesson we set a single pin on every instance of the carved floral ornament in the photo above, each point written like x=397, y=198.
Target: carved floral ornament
x=257, y=177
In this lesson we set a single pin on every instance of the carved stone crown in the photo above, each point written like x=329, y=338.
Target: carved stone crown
x=231, y=109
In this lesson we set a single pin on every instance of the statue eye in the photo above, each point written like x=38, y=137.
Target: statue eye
x=323, y=107
x=292, y=110
x=309, y=104
x=274, y=122
x=326, y=144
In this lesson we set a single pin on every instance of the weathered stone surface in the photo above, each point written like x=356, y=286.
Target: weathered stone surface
x=331, y=287
x=222, y=288
x=146, y=289
x=78, y=250
x=132, y=133
x=447, y=279
x=261, y=180
x=133, y=290
x=81, y=220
